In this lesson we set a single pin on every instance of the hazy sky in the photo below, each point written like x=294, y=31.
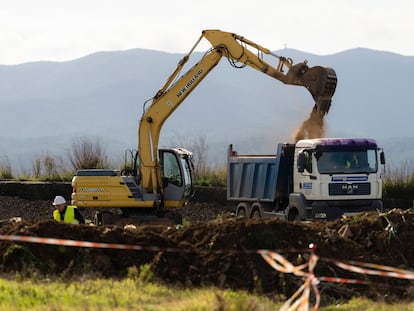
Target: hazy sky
x=61, y=30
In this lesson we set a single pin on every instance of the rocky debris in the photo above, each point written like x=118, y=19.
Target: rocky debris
x=42, y=209
x=26, y=209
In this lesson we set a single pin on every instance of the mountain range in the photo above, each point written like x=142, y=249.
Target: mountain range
x=46, y=105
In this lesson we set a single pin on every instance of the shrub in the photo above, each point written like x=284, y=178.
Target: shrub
x=399, y=182
x=212, y=178
x=48, y=168
x=86, y=153
x=6, y=170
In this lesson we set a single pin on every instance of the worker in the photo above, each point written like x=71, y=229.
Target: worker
x=353, y=162
x=66, y=213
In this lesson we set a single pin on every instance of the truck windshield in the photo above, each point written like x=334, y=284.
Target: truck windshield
x=347, y=162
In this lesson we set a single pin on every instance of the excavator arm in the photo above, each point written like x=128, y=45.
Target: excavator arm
x=319, y=81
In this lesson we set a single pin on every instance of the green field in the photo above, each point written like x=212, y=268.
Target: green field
x=134, y=294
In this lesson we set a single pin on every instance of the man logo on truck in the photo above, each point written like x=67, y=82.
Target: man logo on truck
x=350, y=189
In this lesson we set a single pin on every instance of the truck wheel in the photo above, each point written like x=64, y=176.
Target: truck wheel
x=242, y=210
x=241, y=213
x=293, y=215
x=256, y=214
x=256, y=210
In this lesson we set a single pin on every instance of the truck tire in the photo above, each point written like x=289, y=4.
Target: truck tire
x=242, y=210
x=255, y=214
x=256, y=211
x=293, y=214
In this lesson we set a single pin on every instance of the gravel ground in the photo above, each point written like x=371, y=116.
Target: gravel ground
x=40, y=209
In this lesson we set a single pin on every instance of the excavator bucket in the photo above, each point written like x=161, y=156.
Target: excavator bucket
x=320, y=81
x=322, y=86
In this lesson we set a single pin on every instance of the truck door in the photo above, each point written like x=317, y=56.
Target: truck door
x=306, y=181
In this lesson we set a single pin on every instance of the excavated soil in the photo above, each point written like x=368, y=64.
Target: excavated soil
x=218, y=251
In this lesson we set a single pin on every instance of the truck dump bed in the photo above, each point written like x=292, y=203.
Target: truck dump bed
x=262, y=178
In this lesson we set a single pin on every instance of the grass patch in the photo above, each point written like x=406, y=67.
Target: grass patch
x=133, y=294
x=361, y=304
x=127, y=294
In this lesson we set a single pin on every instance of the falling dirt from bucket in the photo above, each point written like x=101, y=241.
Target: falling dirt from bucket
x=313, y=127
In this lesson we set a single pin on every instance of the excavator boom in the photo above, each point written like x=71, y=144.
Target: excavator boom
x=319, y=81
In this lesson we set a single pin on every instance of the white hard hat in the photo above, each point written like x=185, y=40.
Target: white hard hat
x=59, y=200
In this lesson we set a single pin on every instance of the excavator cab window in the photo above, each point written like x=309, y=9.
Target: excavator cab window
x=171, y=171
x=131, y=164
x=188, y=168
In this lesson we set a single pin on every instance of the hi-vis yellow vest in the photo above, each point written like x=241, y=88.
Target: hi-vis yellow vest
x=69, y=215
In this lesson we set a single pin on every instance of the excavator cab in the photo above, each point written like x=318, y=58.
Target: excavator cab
x=176, y=171
x=176, y=167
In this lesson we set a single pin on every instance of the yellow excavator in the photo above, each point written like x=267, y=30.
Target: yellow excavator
x=156, y=180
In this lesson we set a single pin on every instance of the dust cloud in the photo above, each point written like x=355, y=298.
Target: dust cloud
x=313, y=127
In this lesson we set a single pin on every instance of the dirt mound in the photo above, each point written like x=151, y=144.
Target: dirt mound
x=221, y=252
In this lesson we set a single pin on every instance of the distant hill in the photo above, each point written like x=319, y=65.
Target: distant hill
x=45, y=105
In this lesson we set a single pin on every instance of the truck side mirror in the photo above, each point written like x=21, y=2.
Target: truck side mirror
x=382, y=157
x=301, y=162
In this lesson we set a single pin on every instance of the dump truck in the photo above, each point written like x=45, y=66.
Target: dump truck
x=313, y=179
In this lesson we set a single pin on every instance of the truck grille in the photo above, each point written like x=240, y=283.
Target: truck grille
x=349, y=189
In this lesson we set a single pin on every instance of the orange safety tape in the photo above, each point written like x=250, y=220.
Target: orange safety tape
x=300, y=299
x=53, y=241
x=273, y=259
x=342, y=280
x=374, y=269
